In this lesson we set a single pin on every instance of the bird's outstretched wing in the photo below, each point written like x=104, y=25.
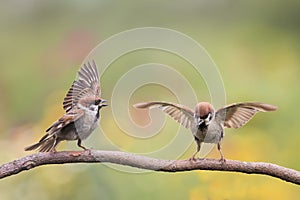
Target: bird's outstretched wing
x=238, y=114
x=88, y=84
x=180, y=113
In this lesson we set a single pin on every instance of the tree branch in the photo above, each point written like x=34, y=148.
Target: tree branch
x=122, y=158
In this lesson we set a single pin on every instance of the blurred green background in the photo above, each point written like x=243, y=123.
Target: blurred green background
x=255, y=44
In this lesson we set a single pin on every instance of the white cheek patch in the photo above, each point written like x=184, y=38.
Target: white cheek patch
x=93, y=108
x=198, y=121
x=209, y=118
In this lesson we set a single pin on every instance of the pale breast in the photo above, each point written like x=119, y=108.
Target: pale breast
x=209, y=134
x=87, y=124
x=214, y=133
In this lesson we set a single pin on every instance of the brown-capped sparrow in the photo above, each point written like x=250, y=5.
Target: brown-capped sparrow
x=82, y=105
x=206, y=124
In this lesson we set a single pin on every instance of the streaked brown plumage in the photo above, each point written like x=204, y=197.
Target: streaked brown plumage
x=207, y=125
x=82, y=105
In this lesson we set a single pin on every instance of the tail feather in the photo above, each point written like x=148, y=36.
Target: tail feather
x=45, y=145
x=32, y=147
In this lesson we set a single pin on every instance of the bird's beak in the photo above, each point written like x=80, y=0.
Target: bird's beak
x=103, y=103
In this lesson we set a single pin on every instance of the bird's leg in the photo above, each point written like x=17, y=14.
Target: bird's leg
x=198, y=149
x=85, y=149
x=194, y=155
x=79, y=144
x=222, y=156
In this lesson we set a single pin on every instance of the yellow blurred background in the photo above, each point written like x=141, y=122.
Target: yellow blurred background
x=254, y=44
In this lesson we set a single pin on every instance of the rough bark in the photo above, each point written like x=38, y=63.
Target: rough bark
x=129, y=159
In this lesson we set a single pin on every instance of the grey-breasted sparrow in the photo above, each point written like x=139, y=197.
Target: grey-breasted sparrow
x=206, y=124
x=82, y=105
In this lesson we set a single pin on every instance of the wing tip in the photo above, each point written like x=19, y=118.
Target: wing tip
x=269, y=107
x=150, y=104
x=141, y=105
x=261, y=106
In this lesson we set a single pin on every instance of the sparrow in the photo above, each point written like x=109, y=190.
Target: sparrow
x=206, y=124
x=82, y=104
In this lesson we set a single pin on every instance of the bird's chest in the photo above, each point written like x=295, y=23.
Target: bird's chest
x=87, y=124
x=211, y=133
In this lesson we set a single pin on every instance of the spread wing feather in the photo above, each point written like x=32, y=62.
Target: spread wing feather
x=180, y=113
x=88, y=84
x=238, y=114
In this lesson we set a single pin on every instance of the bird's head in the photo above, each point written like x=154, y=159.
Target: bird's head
x=92, y=103
x=204, y=113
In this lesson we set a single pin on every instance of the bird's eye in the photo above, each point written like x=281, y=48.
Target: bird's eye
x=97, y=101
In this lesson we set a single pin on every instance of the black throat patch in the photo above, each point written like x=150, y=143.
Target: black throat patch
x=98, y=112
x=202, y=127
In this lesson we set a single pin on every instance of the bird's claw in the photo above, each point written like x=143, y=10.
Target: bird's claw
x=193, y=159
x=222, y=160
x=89, y=151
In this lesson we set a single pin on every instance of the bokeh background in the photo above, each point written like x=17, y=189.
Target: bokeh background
x=255, y=45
